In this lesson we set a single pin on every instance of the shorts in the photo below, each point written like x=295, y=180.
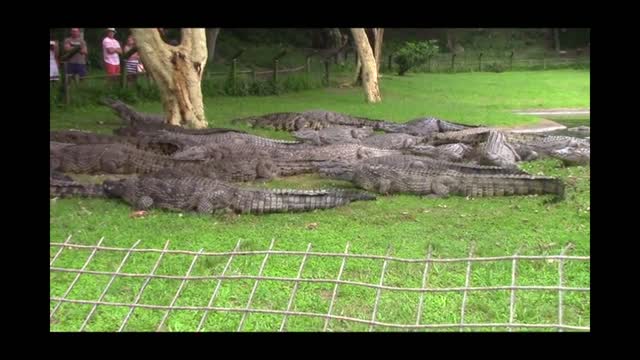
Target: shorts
x=80, y=69
x=112, y=69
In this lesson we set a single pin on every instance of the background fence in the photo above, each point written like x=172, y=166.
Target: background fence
x=199, y=316
x=318, y=69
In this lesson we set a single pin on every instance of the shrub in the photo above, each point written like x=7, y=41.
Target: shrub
x=412, y=54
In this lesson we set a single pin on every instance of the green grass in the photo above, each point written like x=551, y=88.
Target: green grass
x=477, y=98
x=408, y=224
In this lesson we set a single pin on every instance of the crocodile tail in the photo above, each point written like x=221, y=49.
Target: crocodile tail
x=286, y=200
x=63, y=187
x=501, y=185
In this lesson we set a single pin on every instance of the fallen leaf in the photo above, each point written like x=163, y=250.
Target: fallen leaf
x=405, y=213
x=137, y=214
x=312, y=226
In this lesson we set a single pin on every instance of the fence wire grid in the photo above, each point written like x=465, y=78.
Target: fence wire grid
x=373, y=321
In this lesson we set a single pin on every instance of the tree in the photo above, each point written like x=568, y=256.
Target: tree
x=177, y=71
x=369, y=67
x=556, y=39
x=374, y=35
x=212, y=36
x=335, y=40
x=375, y=40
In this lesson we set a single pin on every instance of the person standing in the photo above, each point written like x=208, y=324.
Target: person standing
x=54, y=72
x=111, y=51
x=133, y=64
x=77, y=63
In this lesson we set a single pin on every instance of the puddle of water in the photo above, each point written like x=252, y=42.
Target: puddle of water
x=570, y=122
x=565, y=132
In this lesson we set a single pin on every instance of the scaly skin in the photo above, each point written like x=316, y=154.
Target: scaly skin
x=425, y=126
x=136, y=121
x=62, y=186
x=141, y=142
x=205, y=195
x=312, y=119
x=389, y=180
x=125, y=159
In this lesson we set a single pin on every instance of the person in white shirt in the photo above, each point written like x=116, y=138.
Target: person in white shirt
x=111, y=53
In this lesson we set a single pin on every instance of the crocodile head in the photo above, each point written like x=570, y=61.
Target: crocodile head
x=115, y=188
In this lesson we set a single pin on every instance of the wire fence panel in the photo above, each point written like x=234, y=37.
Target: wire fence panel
x=211, y=300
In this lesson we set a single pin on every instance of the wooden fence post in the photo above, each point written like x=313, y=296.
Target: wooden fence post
x=253, y=73
x=511, y=60
x=276, y=60
x=326, y=72
x=544, y=60
x=453, y=63
x=480, y=62
x=234, y=67
x=275, y=71
x=389, y=66
x=65, y=83
x=308, y=65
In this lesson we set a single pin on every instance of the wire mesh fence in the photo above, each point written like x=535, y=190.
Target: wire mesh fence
x=100, y=294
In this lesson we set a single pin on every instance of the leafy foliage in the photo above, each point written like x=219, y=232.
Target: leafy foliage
x=414, y=53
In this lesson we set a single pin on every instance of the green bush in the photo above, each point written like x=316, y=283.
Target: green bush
x=494, y=67
x=413, y=54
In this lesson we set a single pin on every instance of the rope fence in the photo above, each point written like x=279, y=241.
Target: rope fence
x=289, y=312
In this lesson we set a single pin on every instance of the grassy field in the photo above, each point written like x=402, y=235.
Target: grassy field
x=408, y=224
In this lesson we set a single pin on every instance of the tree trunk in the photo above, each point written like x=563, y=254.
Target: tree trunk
x=377, y=49
x=358, y=78
x=177, y=71
x=334, y=37
x=556, y=39
x=212, y=36
x=450, y=40
x=369, y=67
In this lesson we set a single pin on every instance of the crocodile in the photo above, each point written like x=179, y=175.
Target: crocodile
x=312, y=119
x=496, y=151
x=62, y=186
x=205, y=195
x=570, y=150
x=426, y=126
x=135, y=121
x=333, y=135
x=132, y=117
x=126, y=159
x=147, y=143
x=228, y=138
x=345, y=170
x=390, y=180
x=455, y=152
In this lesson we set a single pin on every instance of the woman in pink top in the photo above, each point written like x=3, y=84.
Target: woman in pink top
x=111, y=51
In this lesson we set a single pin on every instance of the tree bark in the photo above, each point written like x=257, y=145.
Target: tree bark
x=177, y=71
x=377, y=50
x=369, y=67
x=212, y=37
x=357, y=81
x=334, y=42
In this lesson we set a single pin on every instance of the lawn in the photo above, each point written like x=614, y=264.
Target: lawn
x=407, y=225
